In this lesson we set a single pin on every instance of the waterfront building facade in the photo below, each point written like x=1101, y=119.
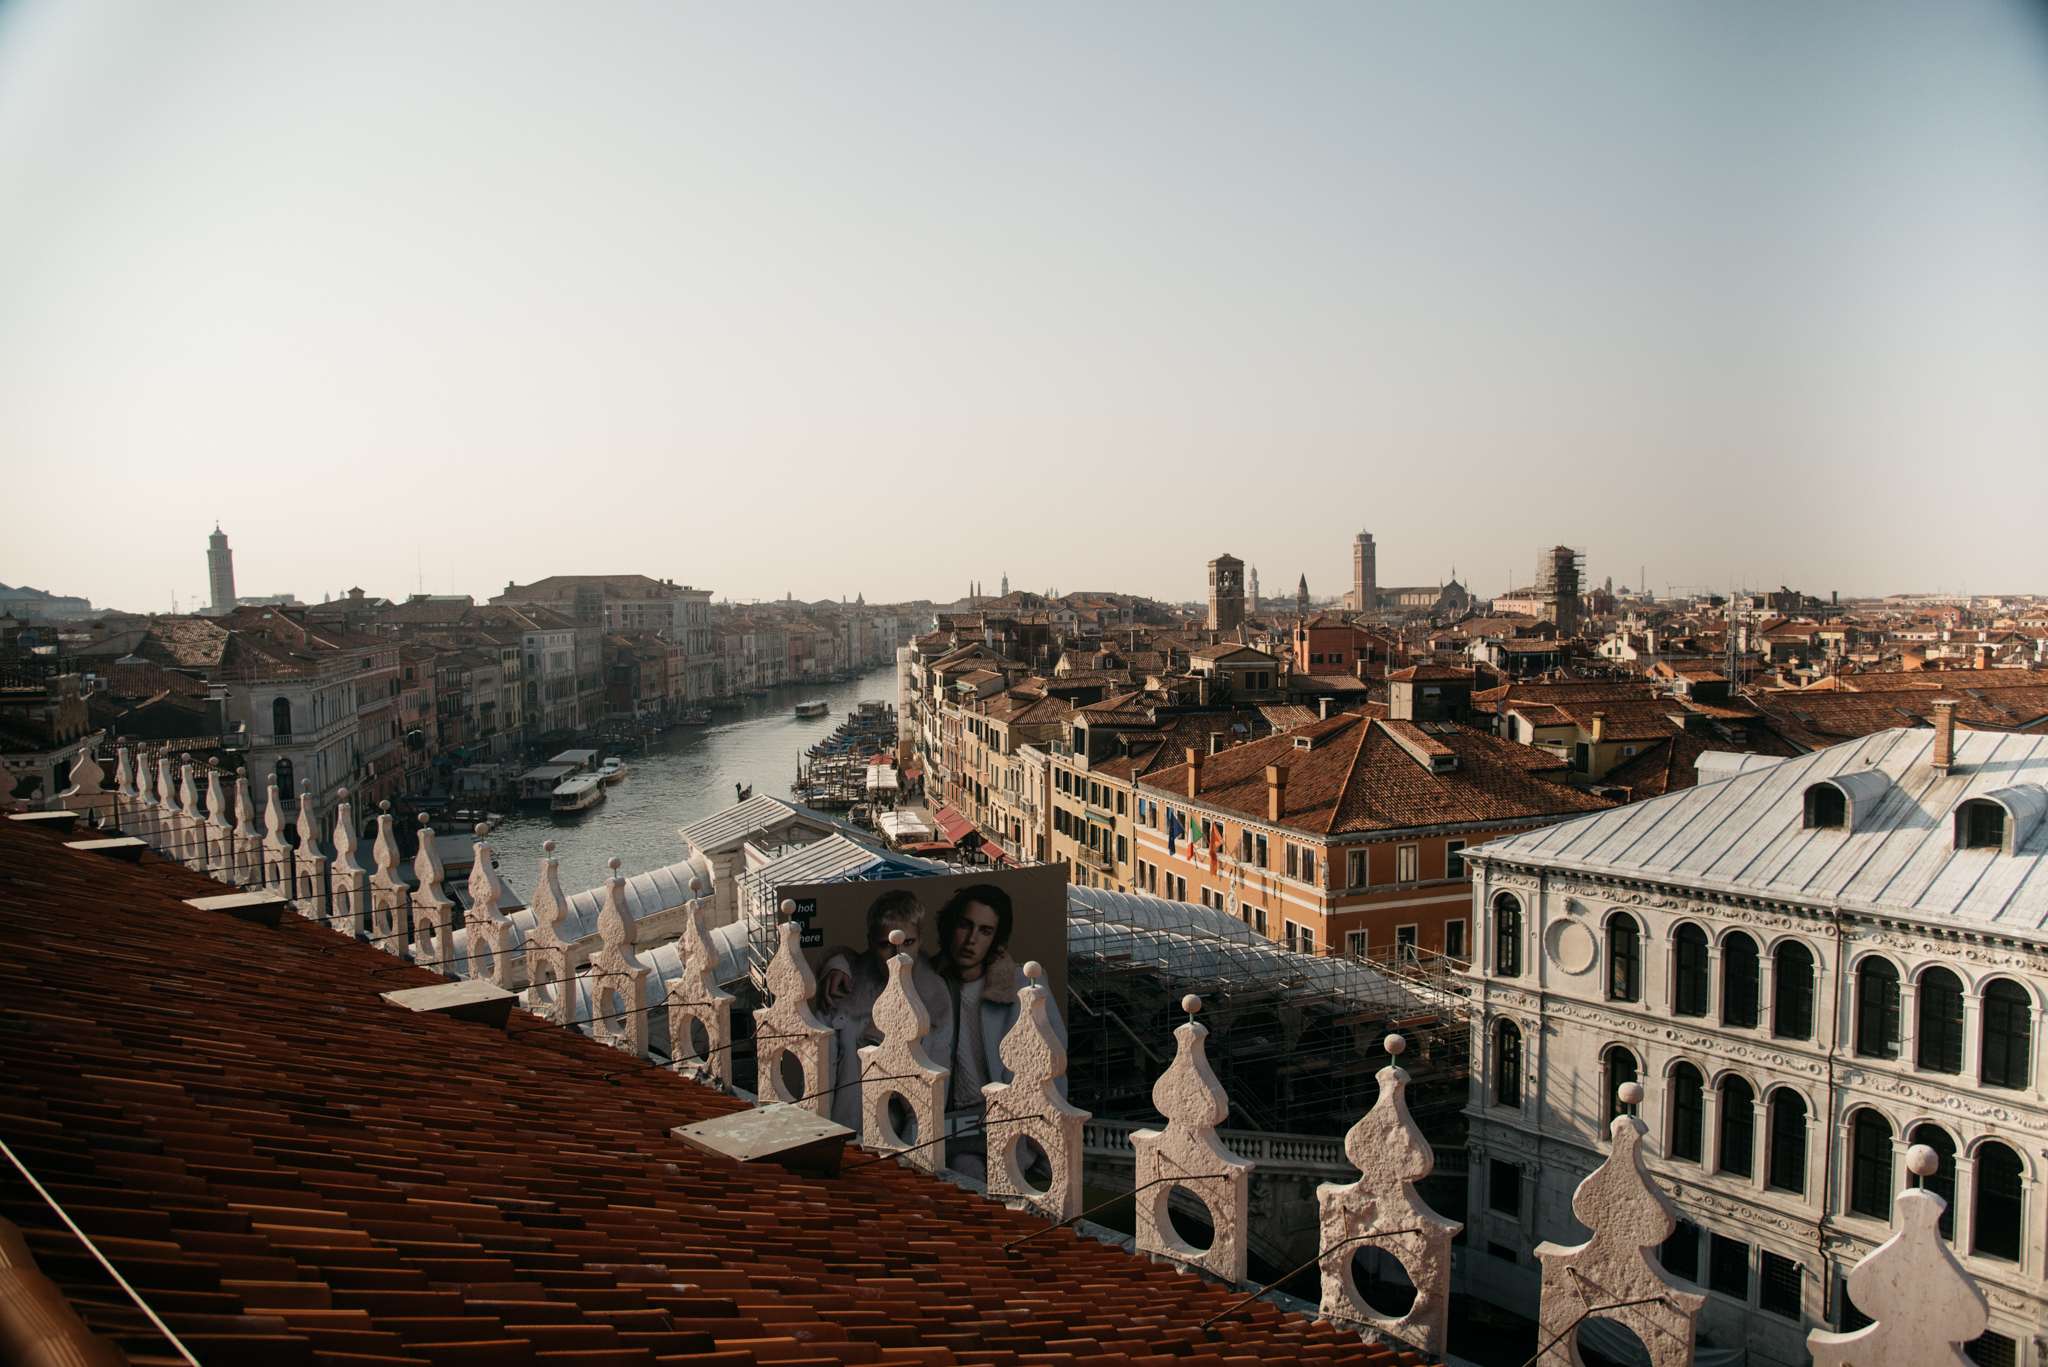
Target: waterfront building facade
x=1810, y=964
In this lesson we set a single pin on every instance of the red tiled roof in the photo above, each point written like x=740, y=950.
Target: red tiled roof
x=956, y=827
x=296, y=1172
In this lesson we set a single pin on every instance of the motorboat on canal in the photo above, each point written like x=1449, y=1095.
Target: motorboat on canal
x=612, y=770
x=814, y=708
x=575, y=794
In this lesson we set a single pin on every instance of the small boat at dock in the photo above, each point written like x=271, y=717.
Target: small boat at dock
x=612, y=770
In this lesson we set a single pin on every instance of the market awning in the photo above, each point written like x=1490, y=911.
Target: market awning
x=927, y=847
x=902, y=826
x=957, y=828
x=993, y=851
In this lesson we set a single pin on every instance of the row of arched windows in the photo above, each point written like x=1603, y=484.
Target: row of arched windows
x=2006, y=1021
x=2000, y=1181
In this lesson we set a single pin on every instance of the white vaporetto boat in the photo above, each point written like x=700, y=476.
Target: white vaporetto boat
x=574, y=794
x=612, y=770
x=813, y=709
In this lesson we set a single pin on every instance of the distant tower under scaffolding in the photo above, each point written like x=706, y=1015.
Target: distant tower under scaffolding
x=1559, y=573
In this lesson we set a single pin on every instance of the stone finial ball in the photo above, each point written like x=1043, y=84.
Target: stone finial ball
x=612, y=863
x=187, y=755
x=896, y=938
x=482, y=830
x=425, y=819
x=305, y=785
x=1396, y=1045
x=547, y=847
x=341, y=794
x=1191, y=1003
x=385, y=805
x=1922, y=1161
x=696, y=888
x=788, y=907
x=1034, y=970
x=1629, y=1093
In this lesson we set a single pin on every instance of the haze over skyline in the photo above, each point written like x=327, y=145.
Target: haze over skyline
x=886, y=299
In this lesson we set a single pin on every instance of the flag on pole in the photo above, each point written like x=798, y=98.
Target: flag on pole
x=1215, y=844
x=1174, y=830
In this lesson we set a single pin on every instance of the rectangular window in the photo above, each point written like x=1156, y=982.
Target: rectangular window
x=1259, y=919
x=1993, y=1349
x=1778, y=1285
x=1360, y=864
x=1292, y=931
x=1728, y=1267
x=1504, y=1189
x=1120, y=803
x=1244, y=846
x=1404, y=942
x=1123, y=850
x=1501, y=1251
x=1407, y=859
x=1308, y=940
x=1259, y=850
x=1293, y=861
x=1681, y=1252
x=1454, y=859
x=1454, y=939
x=1180, y=889
x=1355, y=943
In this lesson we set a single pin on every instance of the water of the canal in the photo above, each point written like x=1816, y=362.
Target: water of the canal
x=683, y=776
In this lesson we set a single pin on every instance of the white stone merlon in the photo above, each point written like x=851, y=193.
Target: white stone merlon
x=1926, y=1306
x=618, y=979
x=1189, y=1156
x=220, y=828
x=1611, y=1276
x=694, y=995
x=1382, y=1210
x=338, y=895
x=390, y=918
x=788, y=1027
x=551, y=984
x=277, y=851
x=1809, y=966
x=899, y=1067
x=249, y=871
x=488, y=943
x=1029, y=1106
x=433, y=910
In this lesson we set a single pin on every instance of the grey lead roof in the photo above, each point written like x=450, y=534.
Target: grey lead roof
x=758, y=814
x=1745, y=834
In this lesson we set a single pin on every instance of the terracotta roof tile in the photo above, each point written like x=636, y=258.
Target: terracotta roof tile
x=316, y=1172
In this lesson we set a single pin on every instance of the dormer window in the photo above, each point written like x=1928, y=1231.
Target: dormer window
x=1980, y=826
x=1827, y=807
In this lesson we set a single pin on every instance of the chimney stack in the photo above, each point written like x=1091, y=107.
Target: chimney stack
x=1944, y=734
x=1599, y=726
x=1195, y=758
x=1276, y=791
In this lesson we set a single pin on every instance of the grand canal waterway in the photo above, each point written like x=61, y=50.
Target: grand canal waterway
x=683, y=776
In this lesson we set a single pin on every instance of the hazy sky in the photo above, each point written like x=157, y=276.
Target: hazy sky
x=882, y=298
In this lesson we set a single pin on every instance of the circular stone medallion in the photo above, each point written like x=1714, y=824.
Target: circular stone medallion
x=1572, y=946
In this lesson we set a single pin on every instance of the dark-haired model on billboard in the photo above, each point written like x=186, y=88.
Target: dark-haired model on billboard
x=981, y=981
x=852, y=983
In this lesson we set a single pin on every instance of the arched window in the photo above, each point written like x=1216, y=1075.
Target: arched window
x=1870, y=1165
x=2008, y=1020
x=1624, y=959
x=1996, y=1232
x=1688, y=1113
x=1792, y=992
x=1826, y=807
x=1786, y=1170
x=1507, y=935
x=1941, y=1021
x=1980, y=825
x=281, y=717
x=1689, y=962
x=1507, y=1064
x=285, y=789
x=1738, y=1127
x=1943, y=1180
x=1619, y=1066
x=1877, y=1008
x=1739, y=978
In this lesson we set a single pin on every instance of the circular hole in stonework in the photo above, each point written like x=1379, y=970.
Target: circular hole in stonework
x=1189, y=1215
x=699, y=1041
x=789, y=1072
x=1383, y=1282
x=1609, y=1343
x=1033, y=1170
x=902, y=1119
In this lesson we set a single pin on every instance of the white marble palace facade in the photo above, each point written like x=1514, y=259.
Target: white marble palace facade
x=1809, y=964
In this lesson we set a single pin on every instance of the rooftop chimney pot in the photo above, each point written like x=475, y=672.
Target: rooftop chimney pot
x=1276, y=791
x=1195, y=758
x=1944, y=734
